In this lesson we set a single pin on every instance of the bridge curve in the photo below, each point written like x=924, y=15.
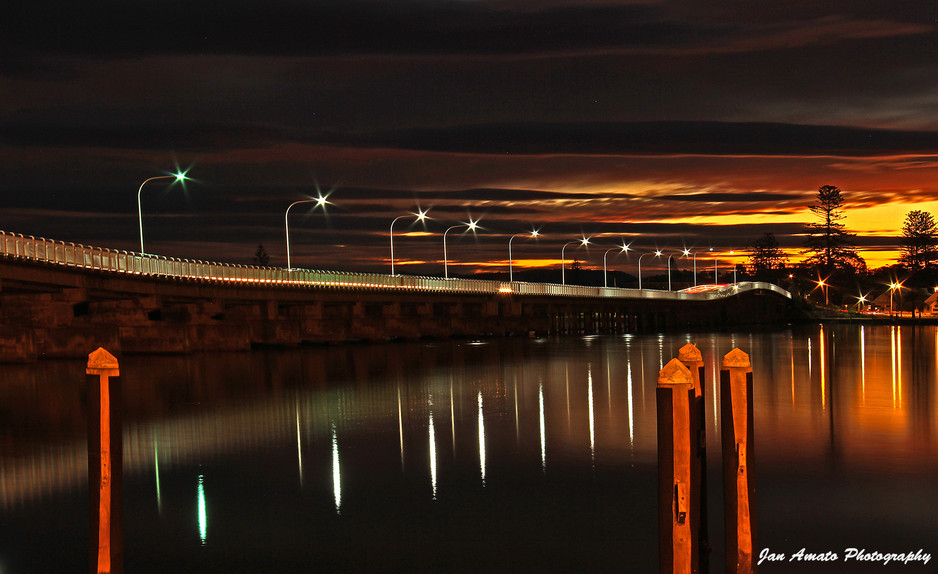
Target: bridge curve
x=59, y=299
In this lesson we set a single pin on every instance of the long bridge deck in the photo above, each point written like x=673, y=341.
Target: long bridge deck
x=54, y=296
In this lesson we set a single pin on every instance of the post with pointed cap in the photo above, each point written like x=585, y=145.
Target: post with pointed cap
x=689, y=355
x=677, y=454
x=105, y=463
x=738, y=485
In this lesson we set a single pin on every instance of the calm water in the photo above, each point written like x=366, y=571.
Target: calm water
x=495, y=456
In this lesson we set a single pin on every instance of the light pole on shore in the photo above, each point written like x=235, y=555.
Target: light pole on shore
x=176, y=177
x=420, y=215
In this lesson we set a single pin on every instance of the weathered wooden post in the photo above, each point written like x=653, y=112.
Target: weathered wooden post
x=677, y=453
x=105, y=462
x=690, y=356
x=737, y=438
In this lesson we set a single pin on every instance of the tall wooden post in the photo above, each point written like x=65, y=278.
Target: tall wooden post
x=738, y=456
x=105, y=463
x=677, y=454
x=691, y=357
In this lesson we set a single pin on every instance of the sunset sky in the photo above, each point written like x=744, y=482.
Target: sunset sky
x=661, y=124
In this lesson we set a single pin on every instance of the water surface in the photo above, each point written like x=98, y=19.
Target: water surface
x=488, y=456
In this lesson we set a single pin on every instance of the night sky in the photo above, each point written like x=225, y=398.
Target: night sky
x=663, y=125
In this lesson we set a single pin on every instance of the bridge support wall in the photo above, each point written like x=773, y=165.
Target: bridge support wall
x=56, y=312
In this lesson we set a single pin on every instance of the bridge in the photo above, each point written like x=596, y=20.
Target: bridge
x=58, y=300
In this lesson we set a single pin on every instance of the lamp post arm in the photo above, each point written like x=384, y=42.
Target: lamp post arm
x=445, y=267
x=391, y=235
x=139, y=205
x=640, y=270
x=510, y=272
x=286, y=225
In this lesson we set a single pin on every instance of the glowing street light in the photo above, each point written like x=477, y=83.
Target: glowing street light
x=534, y=233
x=180, y=176
x=824, y=285
x=669, y=267
x=716, y=276
x=687, y=253
x=892, y=289
x=621, y=249
x=582, y=241
x=471, y=226
x=860, y=301
x=420, y=215
x=657, y=253
x=320, y=201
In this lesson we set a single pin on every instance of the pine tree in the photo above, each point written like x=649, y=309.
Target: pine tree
x=830, y=245
x=261, y=257
x=919, y=241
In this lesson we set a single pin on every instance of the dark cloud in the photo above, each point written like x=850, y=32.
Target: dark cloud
x=623, y=138
x=708, y=138
x=116, y=29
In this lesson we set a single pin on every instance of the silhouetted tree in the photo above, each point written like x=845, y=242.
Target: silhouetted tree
x=765, y=256
x=261, y=257
x=830, y=245
x=919, y=243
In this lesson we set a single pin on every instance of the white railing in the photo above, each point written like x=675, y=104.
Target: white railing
x=103, y=259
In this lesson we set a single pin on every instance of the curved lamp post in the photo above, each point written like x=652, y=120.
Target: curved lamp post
x=420, y=215
x=534, y=234
x=471, y=225
x=176, y=177
x=687, y=253
x=622, y=249
x=319, y=201
x=716, y=277
x=563, y=277
x=669, y=270
x=657, y=253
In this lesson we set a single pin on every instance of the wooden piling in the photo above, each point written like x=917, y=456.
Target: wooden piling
x=105, y=463
x=738, y=459
x=689, y=355
x=677, y=454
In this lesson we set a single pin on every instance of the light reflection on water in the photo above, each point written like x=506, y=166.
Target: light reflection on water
x=318, y=453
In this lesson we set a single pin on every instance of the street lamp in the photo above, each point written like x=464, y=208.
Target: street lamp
x=716, y=276
x=621, y=249
x=687, y=252
x=421, y=215
x=860, y=301
x=471, y=225
x=823, y=285
x=657, y=253
x=176, y=177
x=319, y=201
x=892, y=288
x=534, y=233
x=583, y=241
x=669, y=268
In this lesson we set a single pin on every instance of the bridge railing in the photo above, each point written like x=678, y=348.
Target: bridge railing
x=126, y=262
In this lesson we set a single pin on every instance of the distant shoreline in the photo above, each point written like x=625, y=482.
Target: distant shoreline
x=881, y=320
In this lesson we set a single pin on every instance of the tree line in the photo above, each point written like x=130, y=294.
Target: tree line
x=832, y=255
